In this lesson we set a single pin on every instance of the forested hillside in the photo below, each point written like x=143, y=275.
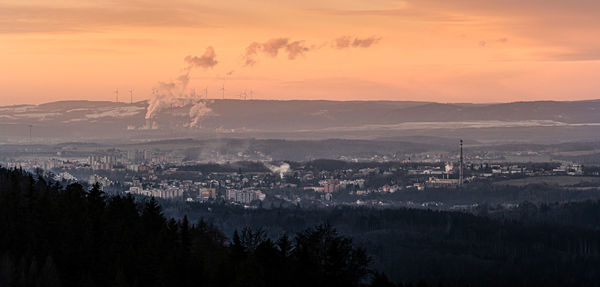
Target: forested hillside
x=71, y=236
x=50, y=236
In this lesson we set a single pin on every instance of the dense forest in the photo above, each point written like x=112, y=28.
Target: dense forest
x=74, y=236
x=50, y=236
x=553, y=245
x=582, y=214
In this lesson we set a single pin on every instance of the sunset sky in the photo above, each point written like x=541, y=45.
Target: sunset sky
x=432, y=50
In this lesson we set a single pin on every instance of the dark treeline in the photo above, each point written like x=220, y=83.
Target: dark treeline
x=452, y=248
x=54, y=236
x=584, y=214
x=50, y=236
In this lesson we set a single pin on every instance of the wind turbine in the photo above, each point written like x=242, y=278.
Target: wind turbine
x=131, y=96
x=117, y=95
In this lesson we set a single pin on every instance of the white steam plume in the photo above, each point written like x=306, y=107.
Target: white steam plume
x=282, y=169
x=174, y=94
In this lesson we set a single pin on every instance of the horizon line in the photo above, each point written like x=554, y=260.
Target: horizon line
x=311, y=100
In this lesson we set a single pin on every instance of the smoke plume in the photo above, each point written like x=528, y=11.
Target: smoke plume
x=282, y=169
x=175, y=94
x=198, y=111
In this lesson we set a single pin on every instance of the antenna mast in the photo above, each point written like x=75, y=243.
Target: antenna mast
x=460, y=168
x=131, y=96
x=223, y=91
x=117, y=95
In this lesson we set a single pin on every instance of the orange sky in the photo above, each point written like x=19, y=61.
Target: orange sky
x=433, y=50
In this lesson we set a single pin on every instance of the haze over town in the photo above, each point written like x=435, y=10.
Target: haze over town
x=299, y=143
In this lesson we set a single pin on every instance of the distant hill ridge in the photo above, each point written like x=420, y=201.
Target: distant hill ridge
x=81, y=119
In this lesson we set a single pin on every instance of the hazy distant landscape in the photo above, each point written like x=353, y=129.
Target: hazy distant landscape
x=393, y=177
x=106, y=122
x=360, y=143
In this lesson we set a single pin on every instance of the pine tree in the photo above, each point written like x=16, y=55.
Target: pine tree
x=49, y=276
x=237, y=249
x=285, y=246
x=185, y=235
x=152, y=216
x=96, y=198
x=32, y=276
x=7, y=271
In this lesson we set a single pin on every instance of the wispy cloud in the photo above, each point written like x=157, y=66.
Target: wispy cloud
x=544, y=24
x=272, y=47
x=573, y=55
x=413, y=13
x=17, y=17
x=347, y=42
x=207, y=60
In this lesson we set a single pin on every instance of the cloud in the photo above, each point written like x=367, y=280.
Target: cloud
x=272, y=48
x=348, y=42
x=365, y=43
x=207, y=60
x=47, y=17
x=488, y=43
x=414, y=13
x=545, y=24
x=296, y=49
x=343, y=42
x=572, y=55
x=251, y=52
